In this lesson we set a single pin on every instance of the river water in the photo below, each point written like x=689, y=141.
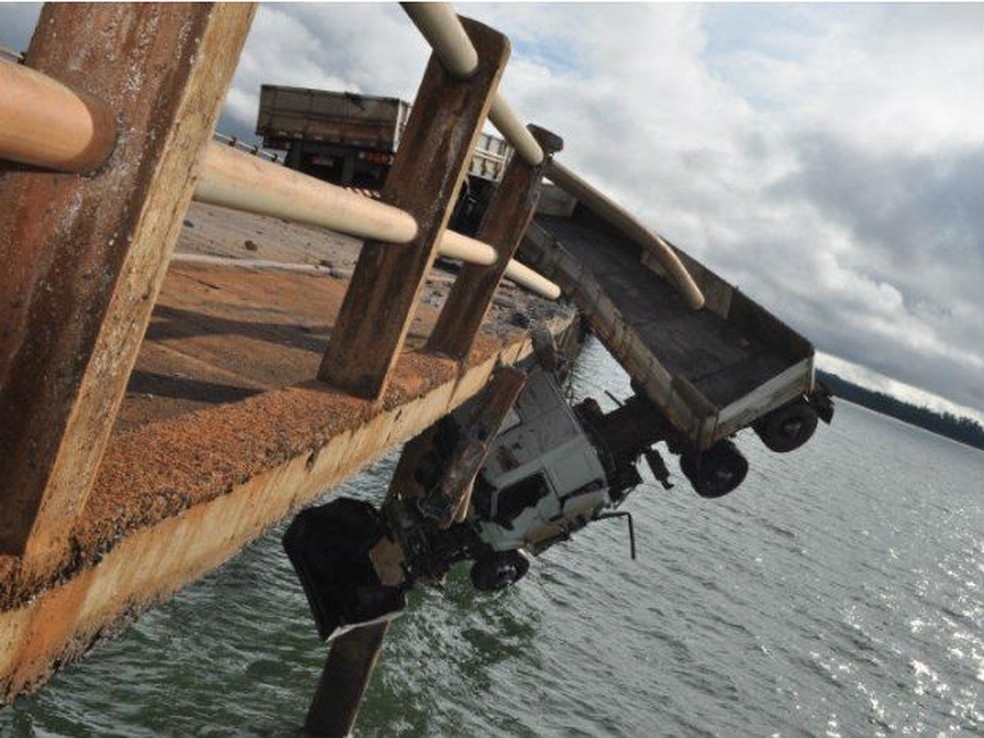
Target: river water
x=838, y=592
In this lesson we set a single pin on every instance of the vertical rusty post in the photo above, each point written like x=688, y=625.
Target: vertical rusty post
x=82, y=258
x=503, y=226
x=353, y=656
x=344, y=680
x=430, y=165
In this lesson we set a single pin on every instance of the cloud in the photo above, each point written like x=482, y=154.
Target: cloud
x=825, y=158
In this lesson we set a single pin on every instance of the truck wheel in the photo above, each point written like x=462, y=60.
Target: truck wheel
x=788, y=427
x=716, y=472
x=498, y=570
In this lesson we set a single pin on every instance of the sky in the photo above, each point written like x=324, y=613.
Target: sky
x=826, y=159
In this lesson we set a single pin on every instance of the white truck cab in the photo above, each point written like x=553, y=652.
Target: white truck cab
x=543, y=478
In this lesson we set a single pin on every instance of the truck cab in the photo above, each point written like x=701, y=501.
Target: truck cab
x=544, y=478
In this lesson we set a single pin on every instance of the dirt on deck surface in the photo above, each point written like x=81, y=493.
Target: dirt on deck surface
x=248, y=305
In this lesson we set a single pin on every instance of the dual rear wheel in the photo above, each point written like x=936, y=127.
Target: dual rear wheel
x=788, y=427
x=721, y=468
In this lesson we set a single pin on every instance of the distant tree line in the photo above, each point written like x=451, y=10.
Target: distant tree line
x=946, y=424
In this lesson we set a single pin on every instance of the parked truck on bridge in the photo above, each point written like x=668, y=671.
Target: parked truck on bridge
x=350, y=139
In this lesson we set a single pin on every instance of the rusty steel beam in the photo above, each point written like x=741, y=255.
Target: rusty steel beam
x=503, y=226
x=46, y=124
x=442, y=130
x=82, y=259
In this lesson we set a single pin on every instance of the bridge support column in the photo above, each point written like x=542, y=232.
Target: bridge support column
x=353, y=655
x=344, y=680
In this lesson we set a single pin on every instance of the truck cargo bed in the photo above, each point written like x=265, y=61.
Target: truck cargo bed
x=712, y=371
x=722, y=361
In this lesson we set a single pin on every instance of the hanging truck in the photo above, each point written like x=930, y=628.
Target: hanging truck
x=495, y=486
x=492, y=489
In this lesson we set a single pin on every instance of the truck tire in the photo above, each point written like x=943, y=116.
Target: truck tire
x=788, y=427
x=716, y=472
x=498, y=570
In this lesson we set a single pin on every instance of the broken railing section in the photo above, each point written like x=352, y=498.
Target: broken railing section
x=82, y=258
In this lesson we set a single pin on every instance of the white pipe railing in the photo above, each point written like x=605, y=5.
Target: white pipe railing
x=531, y=280
x=234, y=179
x=623, y=220
x=44, y=123
x=237, y=180
x=454, y=245
x=509, y=124
x=439, y=25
